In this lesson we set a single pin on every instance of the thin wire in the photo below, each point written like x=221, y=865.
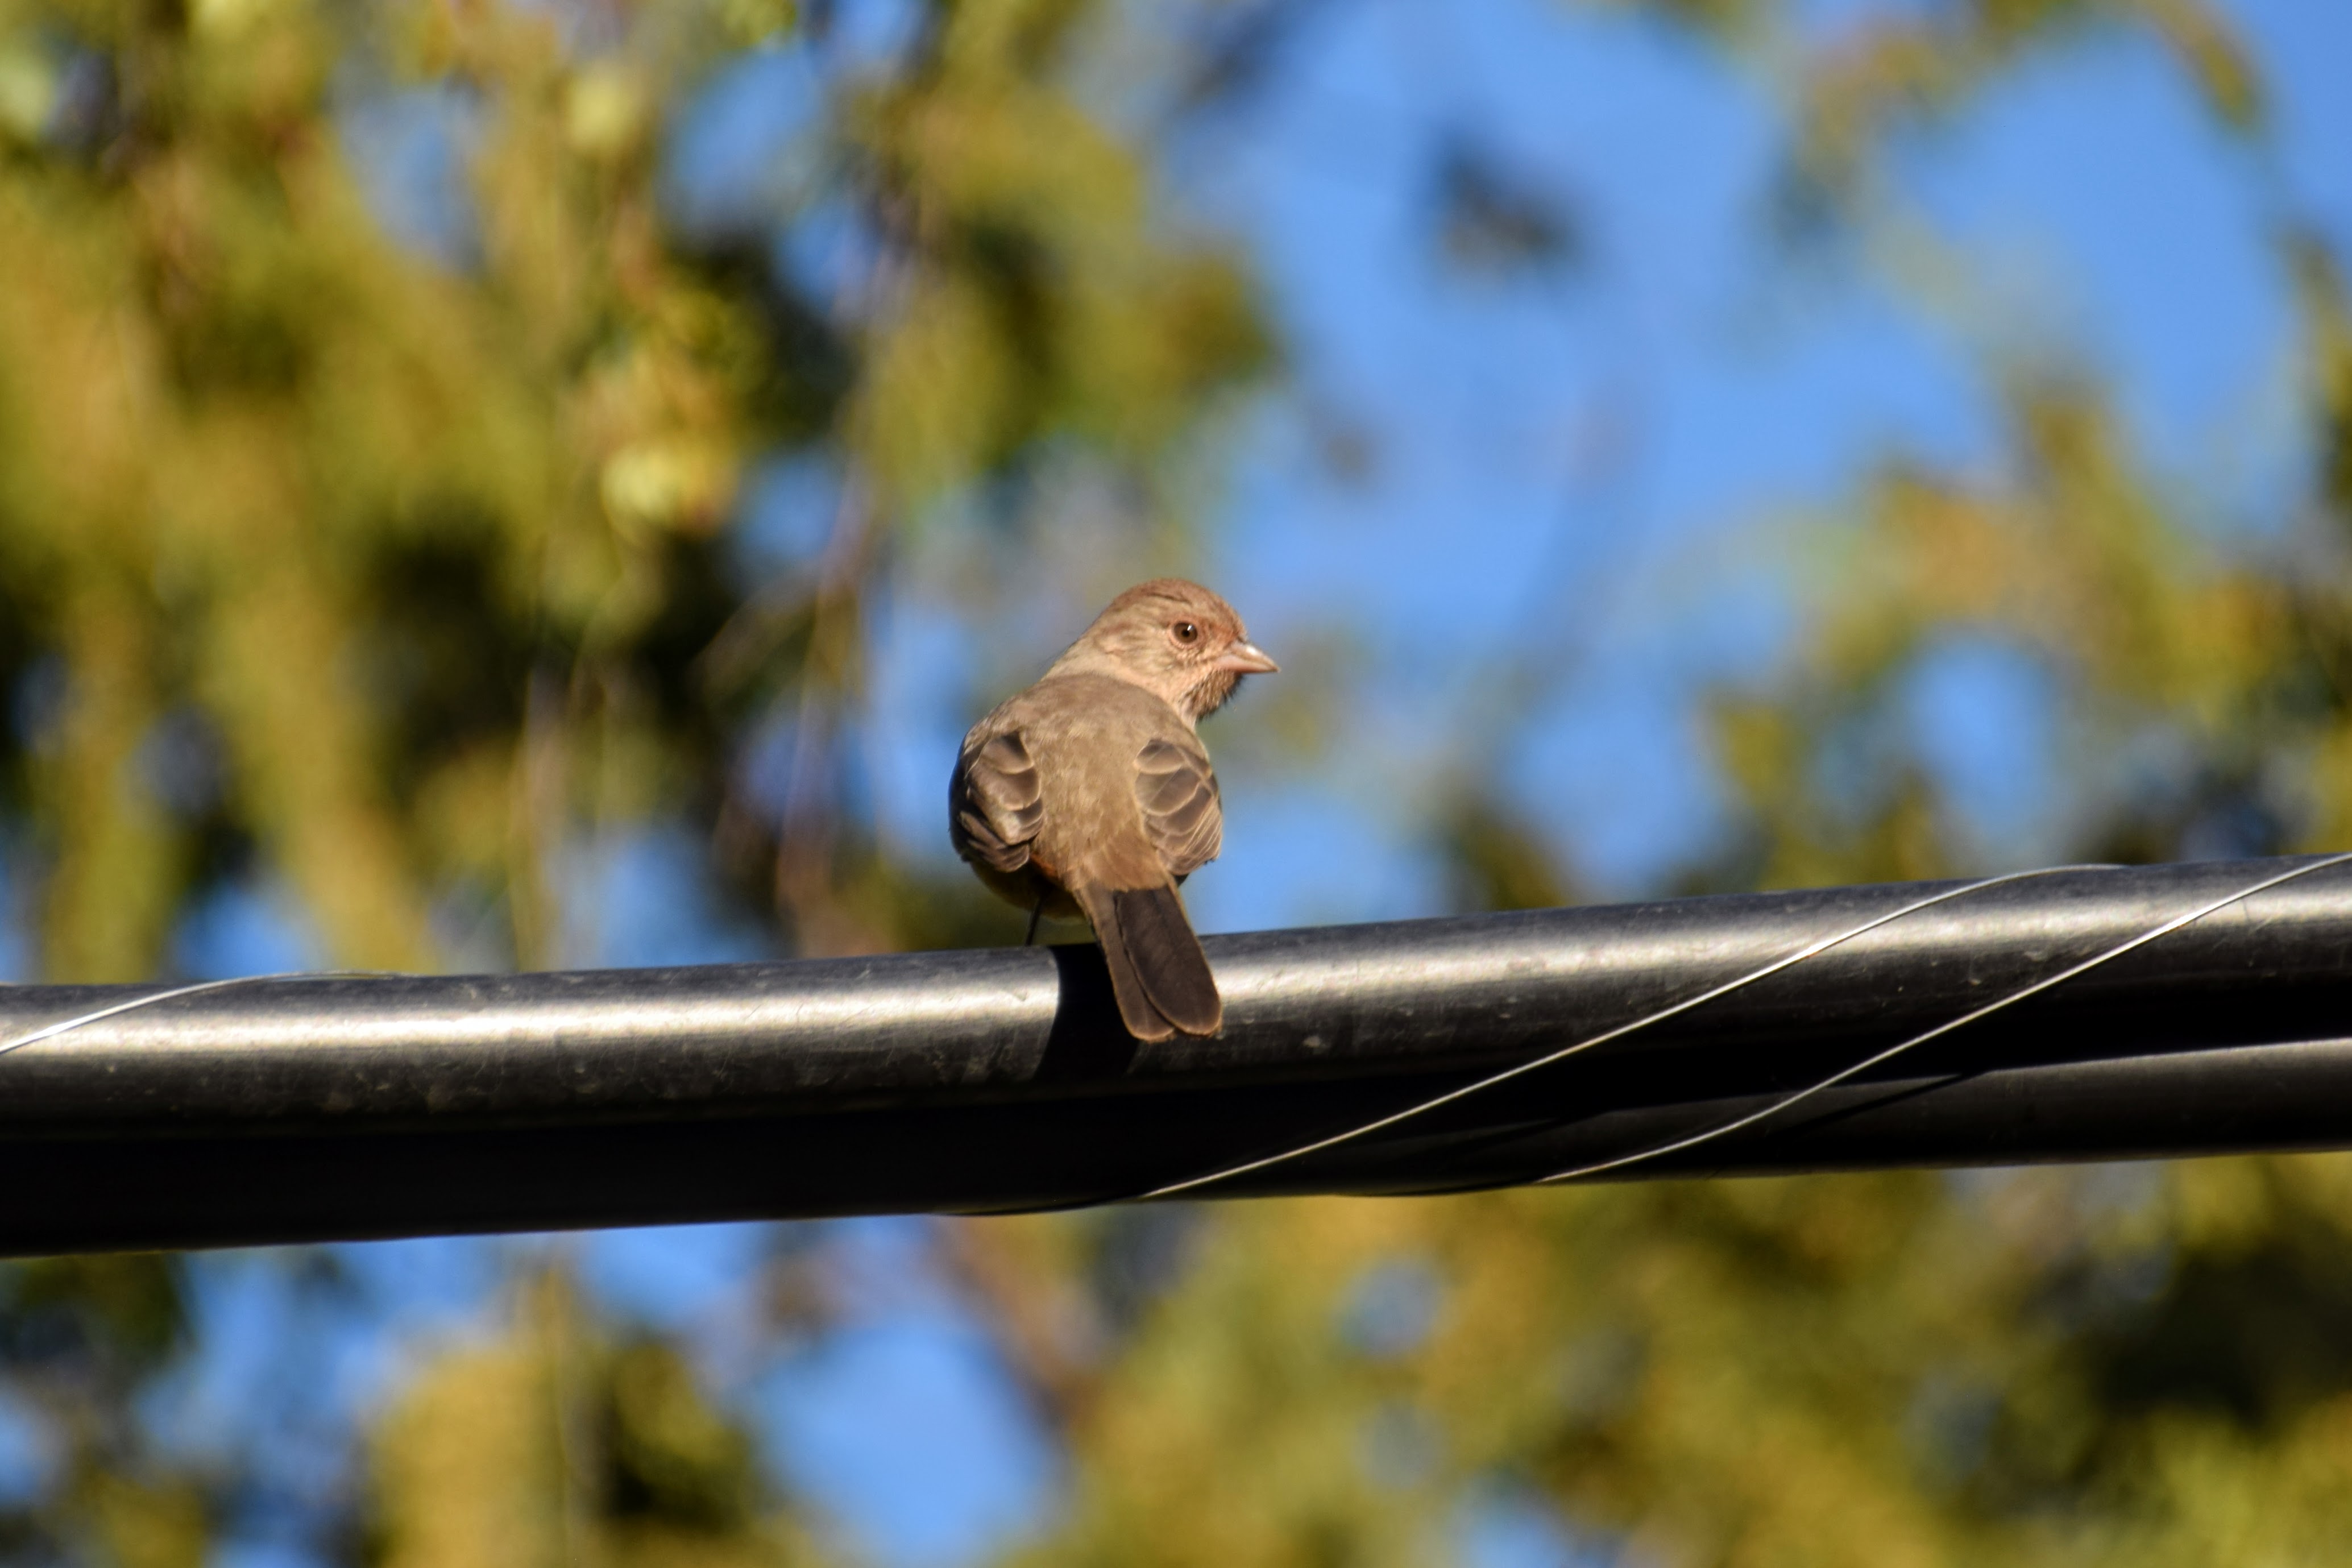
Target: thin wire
x=1810, y=951
x=1749, y=1119
x=67, y=1025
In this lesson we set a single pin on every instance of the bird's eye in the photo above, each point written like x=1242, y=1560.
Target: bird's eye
x=1185, y=633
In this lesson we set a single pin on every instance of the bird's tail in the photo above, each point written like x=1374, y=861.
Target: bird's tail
x=1158, y=971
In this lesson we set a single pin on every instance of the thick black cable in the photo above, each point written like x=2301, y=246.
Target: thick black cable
x=255, y=1110
x=173, y=992
x=1890, y=1053
x=1647, y=1020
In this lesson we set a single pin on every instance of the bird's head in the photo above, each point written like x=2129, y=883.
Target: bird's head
x=1175, y=639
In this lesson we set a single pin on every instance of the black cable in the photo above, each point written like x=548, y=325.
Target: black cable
x=1646, y=1020
x=1890, y=1053
x=173, y=992
x=262, y=1110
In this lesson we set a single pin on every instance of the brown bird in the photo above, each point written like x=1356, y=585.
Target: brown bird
x=1090, y=795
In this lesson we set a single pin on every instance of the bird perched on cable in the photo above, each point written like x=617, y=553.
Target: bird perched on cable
x=1090, y=794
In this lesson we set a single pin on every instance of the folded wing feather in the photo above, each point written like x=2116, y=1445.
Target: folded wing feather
x=999, y=804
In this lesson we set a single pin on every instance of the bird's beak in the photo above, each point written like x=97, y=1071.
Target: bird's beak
x=1247, y=659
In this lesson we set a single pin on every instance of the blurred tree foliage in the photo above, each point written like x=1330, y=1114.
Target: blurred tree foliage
x=554, y=1445
x=397, y=576
x=79, y=1338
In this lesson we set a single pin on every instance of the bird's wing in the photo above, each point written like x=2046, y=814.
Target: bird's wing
x=1178, y=792
x=996, y=806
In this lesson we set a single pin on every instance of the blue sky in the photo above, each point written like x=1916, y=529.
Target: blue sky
x=1592, y=463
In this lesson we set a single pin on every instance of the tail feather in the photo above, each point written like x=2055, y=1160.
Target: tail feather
x=1135, y=1009
x=1157, y=968
x=1165, y=952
